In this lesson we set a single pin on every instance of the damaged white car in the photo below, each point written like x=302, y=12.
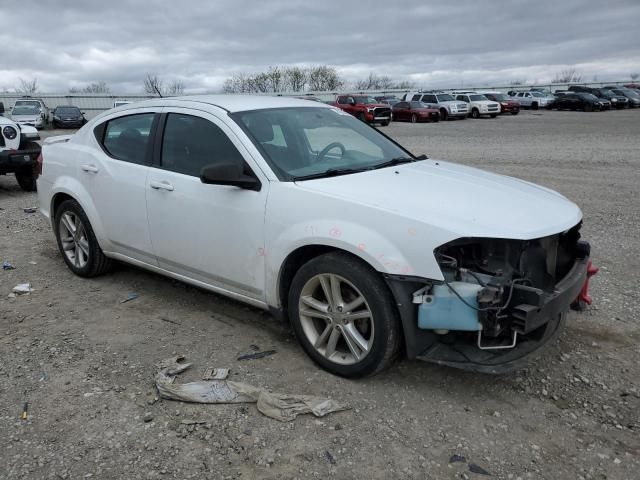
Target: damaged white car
x=299, y=208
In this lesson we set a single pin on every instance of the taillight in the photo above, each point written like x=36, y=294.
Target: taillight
x=39, y=162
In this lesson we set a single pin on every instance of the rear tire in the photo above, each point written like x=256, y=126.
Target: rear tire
x=80, y=251
x=588, y=107
x=360, y=341
x=384, y=124
x=414, y=118
x=27, y=177
x=515, y=113
x=534, y=106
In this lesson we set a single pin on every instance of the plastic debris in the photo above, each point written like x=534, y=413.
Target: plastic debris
x=215, y=374
x=473, y=468
x=281, y=407
x=329, y=456
x=22, y=289
x=130, y=296
x=457, y=458
x=256, y=354
x=7, y=266
x=30, y=210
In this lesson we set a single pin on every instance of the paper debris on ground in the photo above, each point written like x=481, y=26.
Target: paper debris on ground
x=7, y=266
x=22, y=289
x=282, y=407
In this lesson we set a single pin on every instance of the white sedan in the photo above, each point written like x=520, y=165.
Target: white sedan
x=299, y=208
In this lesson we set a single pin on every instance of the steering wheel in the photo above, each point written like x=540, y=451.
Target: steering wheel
x=330, y=147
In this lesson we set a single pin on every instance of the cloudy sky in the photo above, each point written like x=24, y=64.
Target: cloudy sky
x=432, y=43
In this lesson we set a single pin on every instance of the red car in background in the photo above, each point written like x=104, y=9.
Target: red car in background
x=365, y=108
x=507, y=104
x=415, y=112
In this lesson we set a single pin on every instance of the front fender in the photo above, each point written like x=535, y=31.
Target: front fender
x=367, y=244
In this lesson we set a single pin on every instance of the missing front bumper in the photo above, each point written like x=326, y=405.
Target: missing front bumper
x=460, y=350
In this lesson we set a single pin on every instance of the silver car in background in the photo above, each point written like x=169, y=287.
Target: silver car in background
x=28, y=115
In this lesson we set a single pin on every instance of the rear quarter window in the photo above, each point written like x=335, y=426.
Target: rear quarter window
x=126, y=138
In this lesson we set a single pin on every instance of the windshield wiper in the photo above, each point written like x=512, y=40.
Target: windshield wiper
x=398, y=160
x=332, y=172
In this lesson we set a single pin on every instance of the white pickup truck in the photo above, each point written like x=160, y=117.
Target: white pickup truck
x=533, y=100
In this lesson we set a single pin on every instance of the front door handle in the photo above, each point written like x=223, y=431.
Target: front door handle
x=161, y=186
x=89, y=168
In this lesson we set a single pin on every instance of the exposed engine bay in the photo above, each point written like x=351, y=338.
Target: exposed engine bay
x=498, y=293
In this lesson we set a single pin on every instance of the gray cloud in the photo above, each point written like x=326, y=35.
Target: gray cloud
x=435, y=43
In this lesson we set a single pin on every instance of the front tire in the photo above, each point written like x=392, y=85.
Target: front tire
x=344, y=315
x=475, y=113
x=77, y=241
x=414, y=118
x=360, y=116
x=444, y=115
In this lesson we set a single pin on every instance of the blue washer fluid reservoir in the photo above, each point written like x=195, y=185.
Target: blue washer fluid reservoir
x=443, y=310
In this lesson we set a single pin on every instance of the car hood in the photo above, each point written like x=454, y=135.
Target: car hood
x=464, y=201
x=25, y=118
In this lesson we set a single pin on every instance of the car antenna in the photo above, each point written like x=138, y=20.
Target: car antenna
x=157, y=91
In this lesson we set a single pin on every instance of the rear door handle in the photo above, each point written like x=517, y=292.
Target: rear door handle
x=161, y=186
x=89, y=168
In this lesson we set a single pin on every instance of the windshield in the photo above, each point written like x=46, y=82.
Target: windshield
x=606, y=93
x=477, y=98
x=67, y=111
x=538, y=94
x=500, y=97
x=418, y=105
x=25, y=103
x=363, y=100
x=26, y=110
x=445, y=98
x=303, y=141
x=588, y=96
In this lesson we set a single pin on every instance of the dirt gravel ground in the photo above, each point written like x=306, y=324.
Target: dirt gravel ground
x=85, y=362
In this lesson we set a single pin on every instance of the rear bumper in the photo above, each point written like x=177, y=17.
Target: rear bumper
x=14, y=160
x=537, y=322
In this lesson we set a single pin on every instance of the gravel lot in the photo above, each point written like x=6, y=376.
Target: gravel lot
x=85, y=362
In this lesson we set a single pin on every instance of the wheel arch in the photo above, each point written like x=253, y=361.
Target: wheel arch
x=71, y=189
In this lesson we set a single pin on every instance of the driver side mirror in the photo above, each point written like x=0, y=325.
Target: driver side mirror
x=229, y=174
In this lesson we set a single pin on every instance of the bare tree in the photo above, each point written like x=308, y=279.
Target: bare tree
x=296, y=78
x=404, y=85
x=28, y=87
x=570, y=75
x=152, y=84
x=324, y=78
x=96, y=87
x=175, y=87
x=634, y=76
x=374, y=82
x=276, y=79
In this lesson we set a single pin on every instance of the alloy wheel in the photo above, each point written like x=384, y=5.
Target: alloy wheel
x=336, y=319
x=73, y=237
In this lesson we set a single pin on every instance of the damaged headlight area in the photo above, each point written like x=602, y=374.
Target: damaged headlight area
x=500, y=298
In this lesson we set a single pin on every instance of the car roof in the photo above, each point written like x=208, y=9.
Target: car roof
x=232, y=103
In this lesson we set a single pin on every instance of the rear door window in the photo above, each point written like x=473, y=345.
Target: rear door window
x=127, y=138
